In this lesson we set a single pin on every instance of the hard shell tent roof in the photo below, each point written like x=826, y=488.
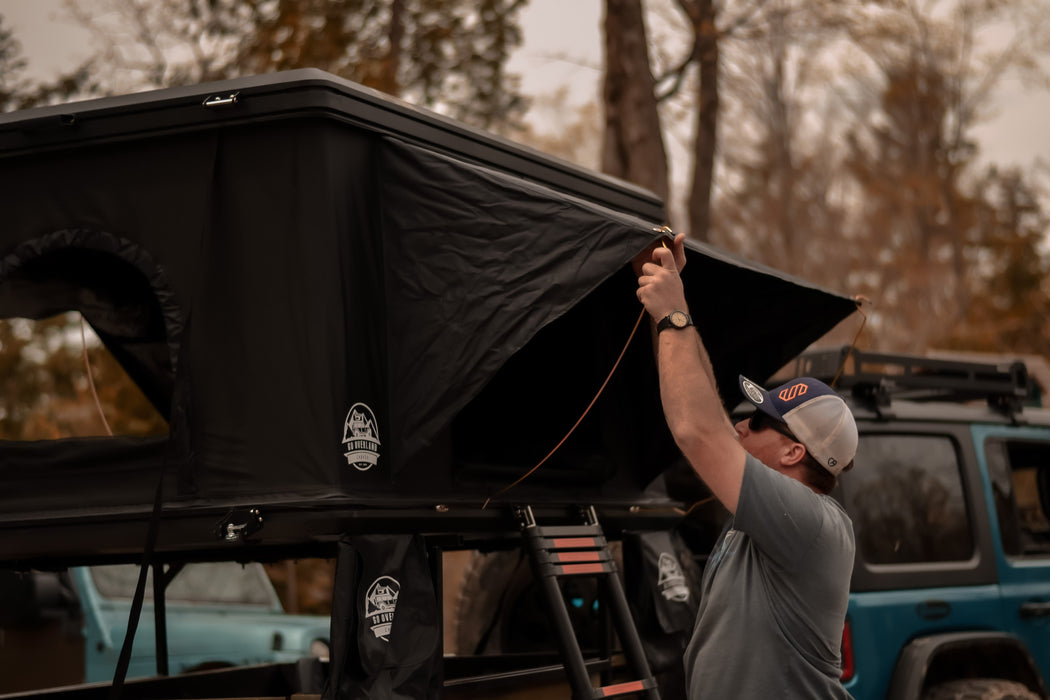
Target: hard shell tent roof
x=342, y=304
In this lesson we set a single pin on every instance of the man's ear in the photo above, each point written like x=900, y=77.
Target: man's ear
x=793, y=455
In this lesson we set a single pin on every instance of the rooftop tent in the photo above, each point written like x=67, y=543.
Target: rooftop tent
x=343, y=305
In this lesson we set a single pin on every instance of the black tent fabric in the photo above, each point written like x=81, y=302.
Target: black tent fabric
x=342, y=303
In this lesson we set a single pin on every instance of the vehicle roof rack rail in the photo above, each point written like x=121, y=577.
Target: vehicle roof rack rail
x=881, y=377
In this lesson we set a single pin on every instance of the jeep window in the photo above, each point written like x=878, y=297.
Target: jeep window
x=226, y=583
x=1020, y=474
x=906, y=499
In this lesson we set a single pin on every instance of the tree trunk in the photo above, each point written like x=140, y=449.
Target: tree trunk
x=390, y=69
x=633, y=146
x=704, y=15
x=780, y=135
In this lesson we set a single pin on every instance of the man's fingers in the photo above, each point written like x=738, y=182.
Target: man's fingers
x=665, y=258
x=679, y=250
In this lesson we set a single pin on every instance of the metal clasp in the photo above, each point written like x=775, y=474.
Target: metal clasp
x=220, y=100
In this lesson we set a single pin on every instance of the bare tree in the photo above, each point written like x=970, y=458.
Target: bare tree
x=633, y=146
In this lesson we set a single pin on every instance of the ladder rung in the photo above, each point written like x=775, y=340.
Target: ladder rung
x=568, y=530
x=611, y=691
x=575, y=542
x=566, y=557
x=573, y=563
x=544, y=556
x=580, y=569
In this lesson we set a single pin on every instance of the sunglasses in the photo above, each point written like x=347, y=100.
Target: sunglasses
x=763, y=421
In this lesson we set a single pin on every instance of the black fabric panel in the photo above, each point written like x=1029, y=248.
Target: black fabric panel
x=284, y=318
x=155, y=194
x=541, y=392
x=753, y=319
x=80, y=476
x=477, y=263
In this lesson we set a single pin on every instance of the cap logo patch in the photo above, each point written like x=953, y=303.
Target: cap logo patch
x=793, y=391
x=753, y=392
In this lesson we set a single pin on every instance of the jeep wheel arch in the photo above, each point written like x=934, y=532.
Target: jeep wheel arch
x=929, y=661
x=980, y=689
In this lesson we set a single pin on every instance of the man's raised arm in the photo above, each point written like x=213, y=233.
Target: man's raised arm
x=688, y=392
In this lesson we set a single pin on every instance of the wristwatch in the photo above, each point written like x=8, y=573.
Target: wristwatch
x=676, y=319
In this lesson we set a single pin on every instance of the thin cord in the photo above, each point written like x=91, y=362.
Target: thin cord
x=858, y=300
x=693, y=507
x=91, y=379
x=578, y=421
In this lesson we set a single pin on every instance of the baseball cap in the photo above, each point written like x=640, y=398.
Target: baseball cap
x=817, y=416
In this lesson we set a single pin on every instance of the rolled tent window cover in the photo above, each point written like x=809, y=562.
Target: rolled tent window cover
x=314, y=247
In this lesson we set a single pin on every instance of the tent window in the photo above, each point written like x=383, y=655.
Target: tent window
x=46, y=392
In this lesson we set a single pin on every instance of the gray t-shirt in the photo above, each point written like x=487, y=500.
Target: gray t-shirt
x=774, y=595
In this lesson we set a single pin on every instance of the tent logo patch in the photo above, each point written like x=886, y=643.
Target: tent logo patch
x=672, y=581
x=380, y=605
x=361, y=438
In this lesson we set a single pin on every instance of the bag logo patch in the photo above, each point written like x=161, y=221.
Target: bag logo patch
x=793, y=392
x=672, y=581
x=380, y=605
x=361, y=438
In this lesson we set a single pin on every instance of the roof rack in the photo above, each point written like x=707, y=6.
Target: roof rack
x=877, y=378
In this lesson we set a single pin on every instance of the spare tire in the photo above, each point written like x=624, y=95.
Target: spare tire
x=500, y=609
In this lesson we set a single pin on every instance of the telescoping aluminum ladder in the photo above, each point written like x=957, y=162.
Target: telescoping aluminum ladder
x=582, y=550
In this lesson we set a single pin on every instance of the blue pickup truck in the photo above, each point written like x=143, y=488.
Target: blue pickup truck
x=219, y=614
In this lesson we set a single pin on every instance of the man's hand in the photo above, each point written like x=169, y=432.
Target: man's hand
x=677, y=247
x=660, y=285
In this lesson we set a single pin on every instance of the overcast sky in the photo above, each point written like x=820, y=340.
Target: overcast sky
x=562, y=45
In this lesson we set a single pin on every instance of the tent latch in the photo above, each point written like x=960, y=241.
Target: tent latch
x=238, y=525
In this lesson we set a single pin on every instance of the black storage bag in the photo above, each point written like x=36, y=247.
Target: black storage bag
x=662, y=583
x=385, y=628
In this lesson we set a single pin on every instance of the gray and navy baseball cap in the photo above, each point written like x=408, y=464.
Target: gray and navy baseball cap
x=814, y=413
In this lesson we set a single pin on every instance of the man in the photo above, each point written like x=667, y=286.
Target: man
x=776, y=586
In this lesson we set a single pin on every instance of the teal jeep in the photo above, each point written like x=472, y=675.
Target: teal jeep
x=950, y=500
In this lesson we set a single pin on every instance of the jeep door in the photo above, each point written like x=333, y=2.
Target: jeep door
x=1016, y=462
x=923, y=563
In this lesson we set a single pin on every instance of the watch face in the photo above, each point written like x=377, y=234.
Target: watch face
x=679, y=319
